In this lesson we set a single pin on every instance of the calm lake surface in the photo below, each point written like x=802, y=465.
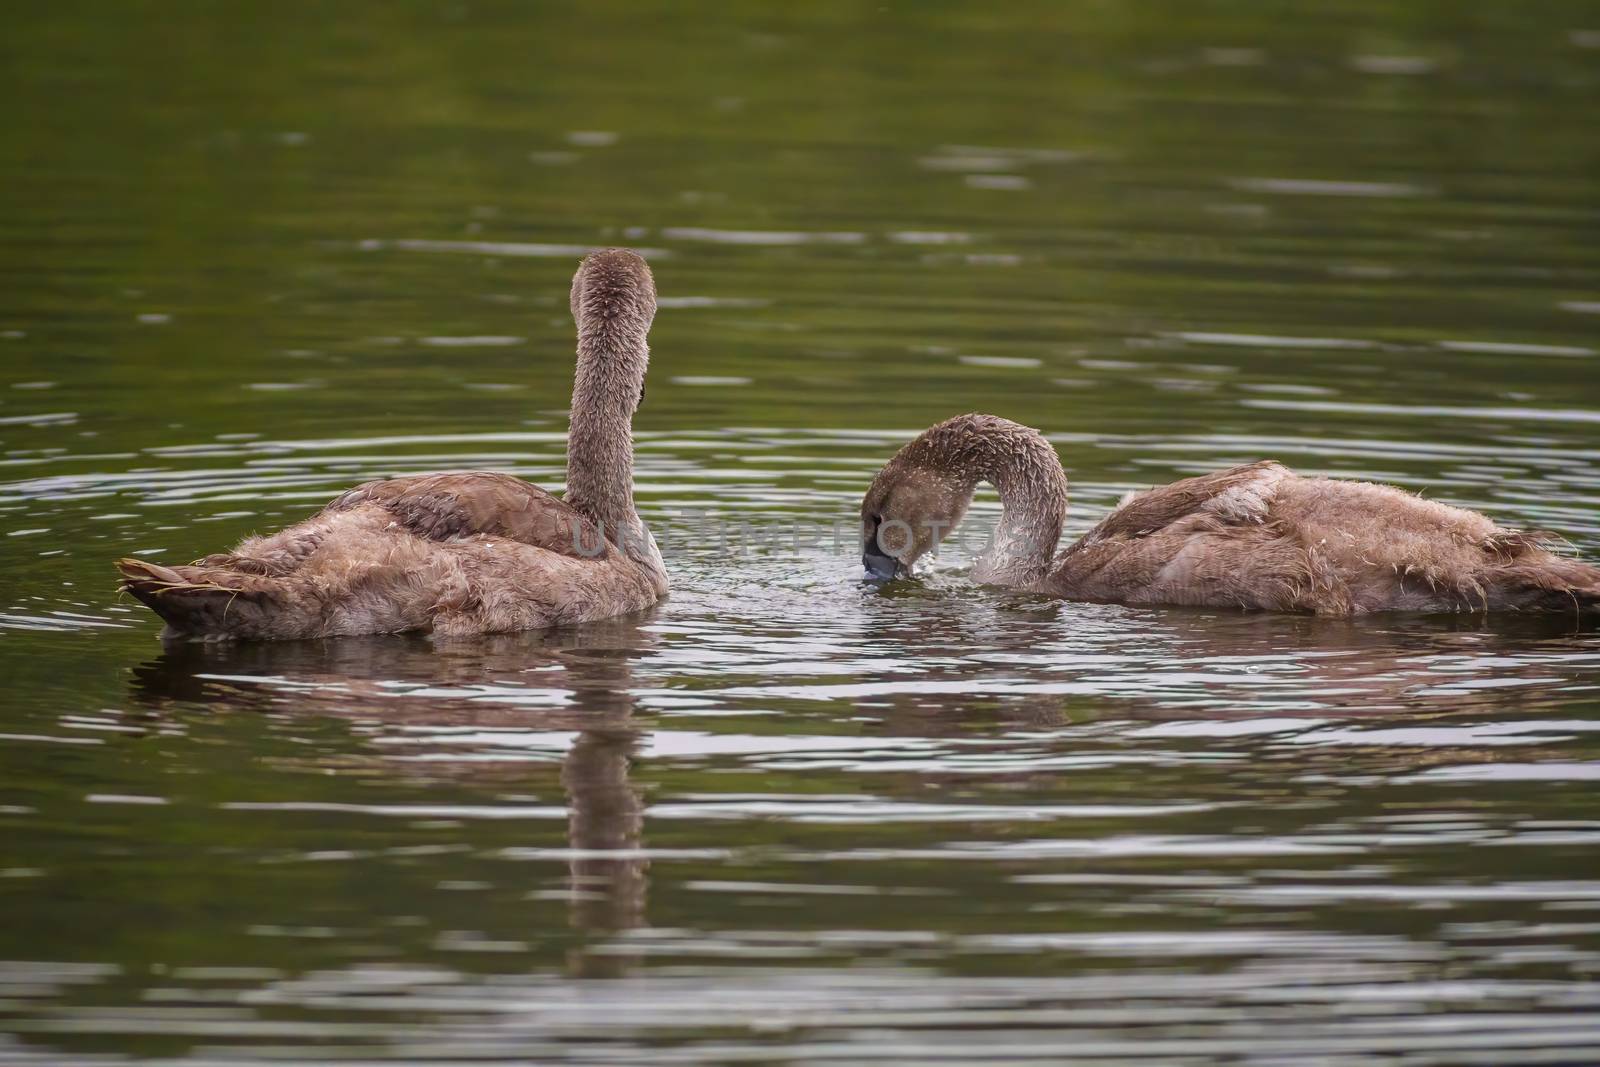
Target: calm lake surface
x=253, y=257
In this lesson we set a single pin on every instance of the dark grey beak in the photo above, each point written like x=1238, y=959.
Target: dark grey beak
x=880, y=565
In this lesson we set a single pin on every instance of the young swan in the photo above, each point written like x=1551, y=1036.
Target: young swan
x=1257, y=536
x=460, y=553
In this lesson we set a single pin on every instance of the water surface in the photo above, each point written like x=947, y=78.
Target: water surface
x=251, y=259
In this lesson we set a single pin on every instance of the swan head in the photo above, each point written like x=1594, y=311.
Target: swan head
x=613, y=285
x=613, y=304
x=914, y=502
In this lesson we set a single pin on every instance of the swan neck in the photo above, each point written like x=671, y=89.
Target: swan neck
x=600, y=447
x=613, y=302
x=1025, y=471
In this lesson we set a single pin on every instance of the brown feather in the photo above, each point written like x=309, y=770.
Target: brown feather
x=463, y=552
x=448, y=507
x=1257, y=536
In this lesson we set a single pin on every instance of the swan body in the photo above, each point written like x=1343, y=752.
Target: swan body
x=1258, y=536
x=463, y=552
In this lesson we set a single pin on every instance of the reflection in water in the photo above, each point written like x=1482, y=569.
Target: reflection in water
x=923, y=819
x=583, y=684
x=605, y=832
x=1167, y=663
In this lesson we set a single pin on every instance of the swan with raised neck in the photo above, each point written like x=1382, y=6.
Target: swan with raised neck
x=460, y=552
x=1256, y=536
x=613, y=303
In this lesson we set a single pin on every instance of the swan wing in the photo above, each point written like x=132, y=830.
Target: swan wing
x=1240, y=495
x=1205, y=540
x=452, y=506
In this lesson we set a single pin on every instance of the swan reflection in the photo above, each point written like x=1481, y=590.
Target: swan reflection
x=577, y=683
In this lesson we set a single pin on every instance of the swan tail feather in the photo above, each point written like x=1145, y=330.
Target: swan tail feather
x=1562, y=585
x=201, y=601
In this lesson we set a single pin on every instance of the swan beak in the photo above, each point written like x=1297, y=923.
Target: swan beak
x=880, y=566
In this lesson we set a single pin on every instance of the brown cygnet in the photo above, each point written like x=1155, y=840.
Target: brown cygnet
x=464, y=552
x=1258, y=536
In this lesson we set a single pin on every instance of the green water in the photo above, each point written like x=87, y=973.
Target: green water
x=253, y=254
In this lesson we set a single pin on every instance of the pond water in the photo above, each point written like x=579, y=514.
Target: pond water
x=252, y=258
